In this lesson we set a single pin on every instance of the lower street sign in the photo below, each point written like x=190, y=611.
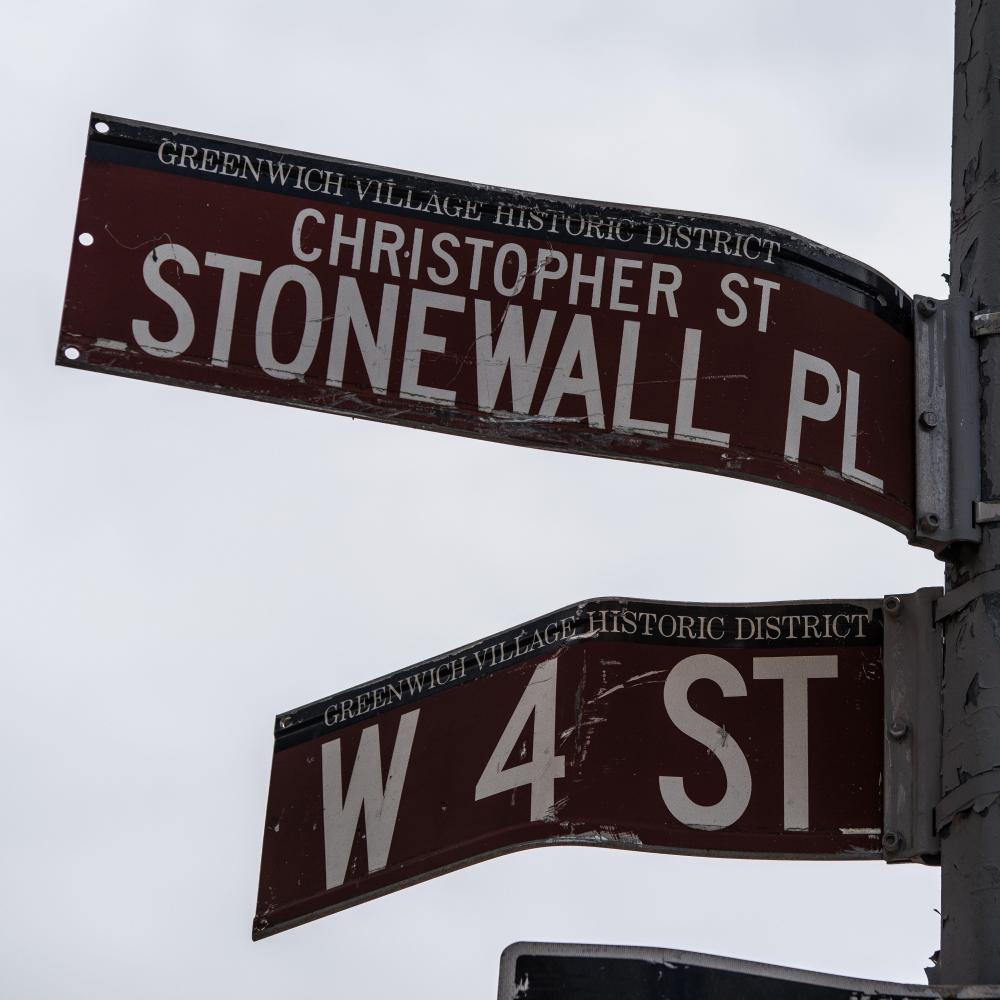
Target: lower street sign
x=744, y=731
x=607, y=972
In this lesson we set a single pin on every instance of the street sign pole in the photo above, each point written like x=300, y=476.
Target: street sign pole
x=968, y=815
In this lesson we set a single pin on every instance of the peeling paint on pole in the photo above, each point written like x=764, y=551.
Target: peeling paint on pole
x=968, y=814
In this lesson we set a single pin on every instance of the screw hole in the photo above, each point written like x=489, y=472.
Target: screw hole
x=101, y=127
x=72, y=353
x=86, y=239
x=891, y=842
x=929, y=523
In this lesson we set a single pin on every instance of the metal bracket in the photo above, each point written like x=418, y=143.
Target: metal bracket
x=986, y=511
x=986, y=324
x=912, y=665
x=946, y=391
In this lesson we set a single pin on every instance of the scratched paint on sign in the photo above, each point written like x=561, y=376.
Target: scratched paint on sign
x=641, y=334
x=619, y=723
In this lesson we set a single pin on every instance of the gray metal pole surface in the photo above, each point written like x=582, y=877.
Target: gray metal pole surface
x=969, y=815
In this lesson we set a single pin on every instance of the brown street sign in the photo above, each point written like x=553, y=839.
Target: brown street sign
x=742, y=731
x=702, y=342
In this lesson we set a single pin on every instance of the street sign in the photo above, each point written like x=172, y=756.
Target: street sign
x=742, y=731
x=531, y=971
x=658, y=336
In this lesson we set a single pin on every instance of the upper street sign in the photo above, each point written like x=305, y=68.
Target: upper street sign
x=530, y=971
x=749, y=731
x=698, y=341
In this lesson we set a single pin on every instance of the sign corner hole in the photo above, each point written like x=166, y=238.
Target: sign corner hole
x=71, y=353
x=86, y=239
x=102, y=127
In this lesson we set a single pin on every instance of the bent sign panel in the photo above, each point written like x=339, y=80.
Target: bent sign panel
x=616, y=723
x=531, y=971
x=657, y=336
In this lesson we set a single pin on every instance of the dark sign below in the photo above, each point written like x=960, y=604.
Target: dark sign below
x=607, y=972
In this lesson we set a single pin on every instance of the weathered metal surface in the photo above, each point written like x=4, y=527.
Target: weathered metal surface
x=542, y=971
x=745, y=731
x=946, y=423
x=643, y=334
x=969, y=813
x=914, y=652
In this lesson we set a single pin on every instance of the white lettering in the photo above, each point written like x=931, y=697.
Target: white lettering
x=619, y=282
x=417, y=342
x=300, y=221
x=849, y=456
x=741, y=308
x=365, y=788
x=623, y=419
x=766, y=287
x=658, y=286
x=232, y=268
x=800, y=408
x=521, y=263
x=492, y=362
x=719, y=743
x=376, y=351
x=538, y=703
x=181, y=340
x=795, y=672
x=264, y=340
x=579, y=346
x=684, y=427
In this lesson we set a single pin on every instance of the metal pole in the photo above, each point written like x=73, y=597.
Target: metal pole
x=969, y=815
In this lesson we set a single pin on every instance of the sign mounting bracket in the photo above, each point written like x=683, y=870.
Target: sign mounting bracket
x=946, y=401
x=911, y=789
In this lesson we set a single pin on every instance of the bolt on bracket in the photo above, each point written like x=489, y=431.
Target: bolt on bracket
x=946, y=419
x=911, y=783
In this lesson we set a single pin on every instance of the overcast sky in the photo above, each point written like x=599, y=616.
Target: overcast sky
x=179, y=567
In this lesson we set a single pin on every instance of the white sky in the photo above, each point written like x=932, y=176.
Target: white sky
x=179, y=567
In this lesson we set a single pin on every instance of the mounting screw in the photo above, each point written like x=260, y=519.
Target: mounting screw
x=893, y=606
x=926, y=307
x=891, y=842
x=928, y=420
x=898, y=729
x=285, y=721
x=929, y=523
